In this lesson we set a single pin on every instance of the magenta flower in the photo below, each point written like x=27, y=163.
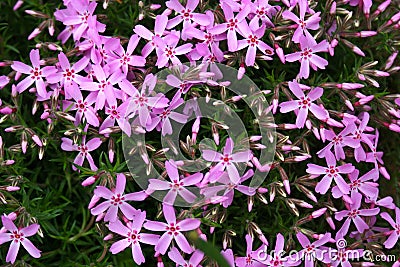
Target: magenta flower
x=394, y=234
x=84, y=149
x=251, y=258
x=360, y=184
x=253, y=41
x=226, y=161
x=308, y=57
x=194, y=260
x=311, y=23
x=162, y=122
x=231, y=25
x=304, y=104
x=133, y=237
x=36, y=73
x=83, y=108
x=354, y=214
x=173, y=230
x=159, y=28
x=167, y=50
x=186, y=14
x=176, y=186
x=343, y=139
x=331, y=172
x=69, y=76
x=229, y=188
x=263, y=11
x=18, y=237
x=275, y=258
x=121, y=59
x=116, y=200
x=103, y=90
x=312, y=251
x=118, y=114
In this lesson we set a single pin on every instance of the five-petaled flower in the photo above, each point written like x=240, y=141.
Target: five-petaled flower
x=18, y=237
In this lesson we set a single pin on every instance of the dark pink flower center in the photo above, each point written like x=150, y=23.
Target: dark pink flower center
x=17, y=236
x=117, y=199
x=353, y=213
x=172, y=229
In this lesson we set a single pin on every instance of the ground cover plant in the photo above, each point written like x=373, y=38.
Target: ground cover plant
x=199, y=133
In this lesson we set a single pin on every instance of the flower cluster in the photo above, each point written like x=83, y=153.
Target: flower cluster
x=106, y=86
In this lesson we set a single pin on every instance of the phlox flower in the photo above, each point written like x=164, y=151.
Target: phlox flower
x=172, y=230
x=231, y=25
x=303, y=24
x=121, y=59
x=304, y=104
x=186, y=14
x=360, y=184
x=36, y=73
x=308, y=57
x=194, y=260
x=331, y=172
x=18, y=237
x=226, y=161
x=263, y=11
x=394, y=234
x=159, y=27
x=133, y=237
x=340, y=140
x=116, y=200
x=177, y=185
x=229, y=188
x=84, y=148
x=251, y=259
x=68, y=76
x=354, y=214
x=167, y=50
x=312, y=251
x=119, y=114
x=83, y=108
x=253, y=42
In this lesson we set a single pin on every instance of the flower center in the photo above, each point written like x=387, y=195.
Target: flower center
x=117, y=199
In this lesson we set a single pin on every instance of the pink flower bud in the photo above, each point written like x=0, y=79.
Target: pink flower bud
x=318, y=213
x=35, y=33
x=37, y=140
x=358, y=51
x=287, y=186
x=155, y=6
x=382, y=7
x=12, y=188
x=262, y=190
x=330, y=222
x=8, y=162
x=364, y=34
x=332, y=10
x=350, y=86
x=279, y=52
x=89, y=181
x=6, y=110
x=18, y=5
x=241, y=72
x=108, y=237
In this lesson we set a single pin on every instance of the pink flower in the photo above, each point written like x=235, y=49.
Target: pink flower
x=251, y=258
x=231, y=25
x=167, y=50
x=18, y=237
x=311, y=23
x=354, y=214
x=176, y=186
x=36, y=73
x=83, y=108
x=116, y=200
x=69, y=76
x=159, y=28
x=331, y=172
x=360, y=184
x=133, y=237
x=103, y=90
x=173, y=230
x=304, y=104
x=84, y=149
x=118, y=114
x=194, y=260
x=229, y=188
x=263, y=11
x=226, y=161
x=311, y=251
x=186, y=14
x=308, y=57
x=121, y=59
x=395, y=234
x=253, y=41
